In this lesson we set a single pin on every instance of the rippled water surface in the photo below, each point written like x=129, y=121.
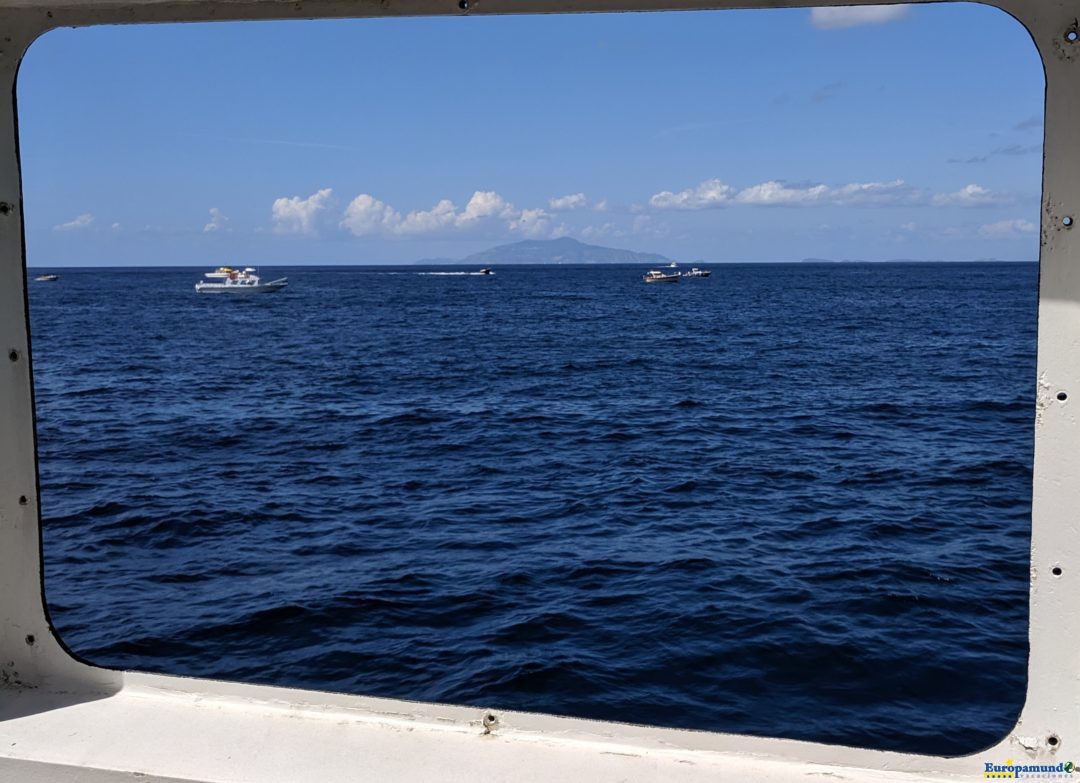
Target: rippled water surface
x=788, y=499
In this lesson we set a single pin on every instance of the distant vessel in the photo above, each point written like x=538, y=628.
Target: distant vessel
x=486, y=271
x=695, y=272
x=238, y=281
x=49, y=278
x=656, y=276
x=673, y=265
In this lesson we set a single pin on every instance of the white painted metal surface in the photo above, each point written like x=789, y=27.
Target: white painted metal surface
x=63, y=720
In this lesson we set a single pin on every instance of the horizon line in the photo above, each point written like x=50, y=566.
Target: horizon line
x=806, y=261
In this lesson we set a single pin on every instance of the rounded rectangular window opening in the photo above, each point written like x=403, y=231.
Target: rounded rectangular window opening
x=790, y=498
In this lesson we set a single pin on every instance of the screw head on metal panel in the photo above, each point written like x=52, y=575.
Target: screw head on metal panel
x=5, y=208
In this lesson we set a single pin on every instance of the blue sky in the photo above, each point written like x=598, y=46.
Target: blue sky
x=889, y=132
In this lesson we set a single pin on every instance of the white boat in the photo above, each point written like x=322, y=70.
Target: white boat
x=485, y=271
x=673, y=265
x=238, y=281
x=49, y=278
x=695, y=272
x=656, y=276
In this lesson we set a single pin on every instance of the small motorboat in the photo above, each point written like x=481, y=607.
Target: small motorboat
x=695, y=272
x=49, y=278
x=238, y=281
x=485, y=271
x=656, y=276
x=673, y=265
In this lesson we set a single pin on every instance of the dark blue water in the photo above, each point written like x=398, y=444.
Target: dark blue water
x=788, y=500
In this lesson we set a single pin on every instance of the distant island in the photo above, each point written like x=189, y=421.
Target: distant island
x=552, y=251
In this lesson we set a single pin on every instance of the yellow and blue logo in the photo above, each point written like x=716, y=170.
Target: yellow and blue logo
x=1012, y=771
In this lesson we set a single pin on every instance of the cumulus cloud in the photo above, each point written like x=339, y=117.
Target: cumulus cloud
x=366, y=215
x=714, y=193
x=839, y=17
x=564, y=203
x=971, y=196
x=531, y=223
x=1008, y=229
x=217, y=221
x=427, y=221
x=778, y=194
x=84, y=220
x=485, y=204
x=298, y=215
x=710, y=193
x=878, y=194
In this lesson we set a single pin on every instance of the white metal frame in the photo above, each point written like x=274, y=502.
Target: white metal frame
x=62, y=719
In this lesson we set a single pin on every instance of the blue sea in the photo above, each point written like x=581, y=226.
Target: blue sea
x=789, y=499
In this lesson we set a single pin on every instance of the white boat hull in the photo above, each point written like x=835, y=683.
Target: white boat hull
x=225, y=288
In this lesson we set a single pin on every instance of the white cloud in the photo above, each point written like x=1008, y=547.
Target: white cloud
x=217, y=221
x=714, y=193
x=84, y=220
x=710, y=193
x=971, y=196
x=298, y=215
x=601, y=205
x=438, y=218
x=1008, y=229
x=878, y=194
x=115, y=226
x=778, y=194
x=367, y=215
x=485, y=204
x=838, y=17
x=563, y=203
x=531, y=223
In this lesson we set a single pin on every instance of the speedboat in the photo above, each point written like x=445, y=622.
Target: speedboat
x=238, y=281
x=656, y=276
x=485, y=271
x=695, y=272
x=49, y=278
x=673, y=265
